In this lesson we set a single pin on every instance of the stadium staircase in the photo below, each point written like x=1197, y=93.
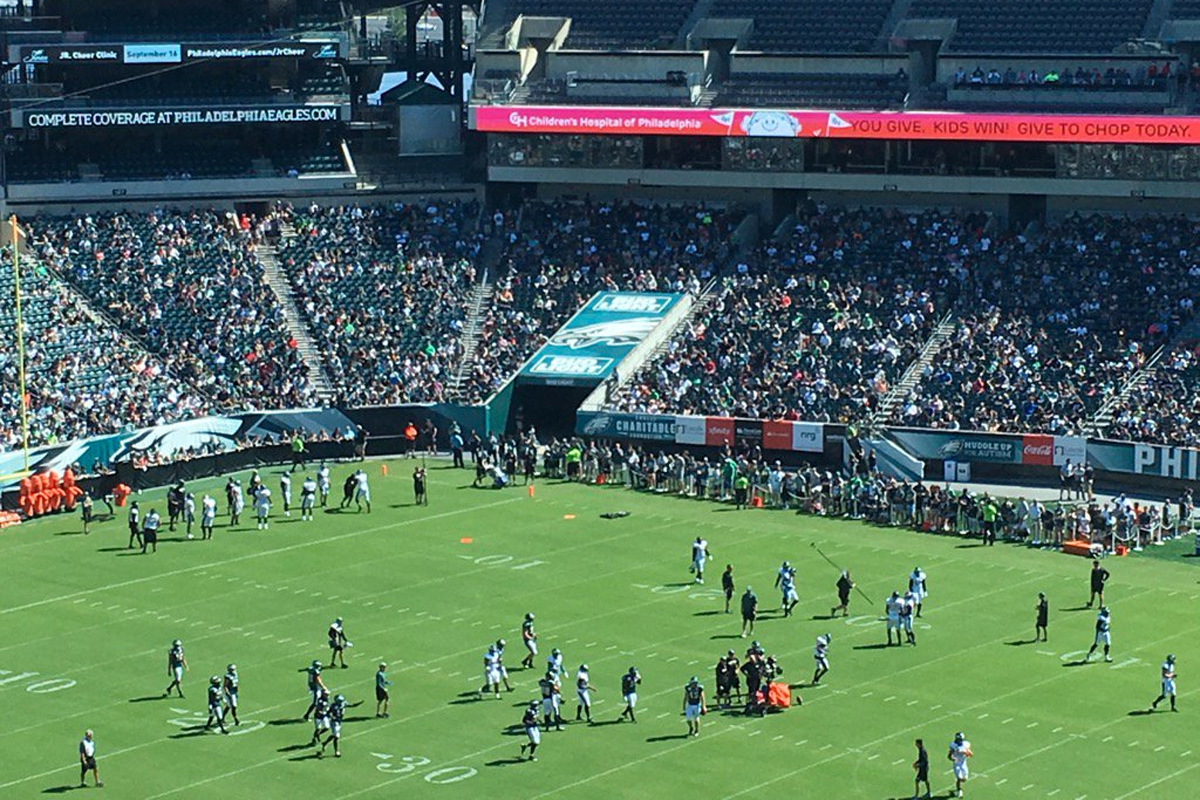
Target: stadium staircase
x=103, y=319
x=1098, y=423
x=477, y=305
x=912, y=375
x=278, y=282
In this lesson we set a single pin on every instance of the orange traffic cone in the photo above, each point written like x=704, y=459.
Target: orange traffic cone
x=531, y=490
x=383, y=468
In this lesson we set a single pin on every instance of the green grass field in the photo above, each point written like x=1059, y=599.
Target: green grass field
x=87, y=627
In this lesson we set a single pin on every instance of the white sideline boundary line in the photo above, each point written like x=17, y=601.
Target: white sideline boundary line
x=249, y=556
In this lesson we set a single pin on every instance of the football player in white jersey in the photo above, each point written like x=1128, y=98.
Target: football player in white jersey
x=491, y=673
x=362, y=491
x=554, y=662
x=891, y=609
x=960, y=751
x=208, y=516
x=1103, y=635
x=262, y=507
x=189, y=513
x=583, y=694
x=323, y=484
x=500, y=645
x=918, y=585
x=787, y=585
x=821, y=657
x=1168, y=683
x=229, y=687
x=308, y=497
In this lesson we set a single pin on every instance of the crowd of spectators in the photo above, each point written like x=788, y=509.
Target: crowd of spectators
x=1051, y=327
x=559, y=253
x=1166, y=406
x=817, y=327
x=383, y=289
x=83, y=378
x=1151, y=76
x=186, y=285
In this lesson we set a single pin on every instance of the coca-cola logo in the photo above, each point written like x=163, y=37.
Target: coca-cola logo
x=1044, y=450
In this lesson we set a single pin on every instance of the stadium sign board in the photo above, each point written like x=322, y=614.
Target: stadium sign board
x=592, y=343
x=960, y=446
x=259, y=115
x=834, y=124
x=778, y=435
x=172, y=52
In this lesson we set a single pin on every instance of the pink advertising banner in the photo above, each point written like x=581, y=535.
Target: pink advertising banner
x=934, y=125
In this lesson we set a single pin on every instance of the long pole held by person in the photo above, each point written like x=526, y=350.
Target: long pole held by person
x=839, y=569
x=24, y=399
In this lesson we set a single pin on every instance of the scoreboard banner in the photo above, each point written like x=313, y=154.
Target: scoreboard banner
x=592, y=343
x=257, y=115
x=171, y=52
x=812, y=123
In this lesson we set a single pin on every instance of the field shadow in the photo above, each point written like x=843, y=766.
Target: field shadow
x=359, y=718
x=1141, y=712
x=470, y=699
x=726, y=636
x=823, y=616
x=880, y=646
x=604, y=722
x=288, y=721
x=1076, y=608
x=1081, y=663
x=310, y=757
x=148, y=698
x=62, y=789
x=1021, y=642
x=707, y=613
x=504, y=762
x=292, y=748
x=112, y=549
x=969, y=546
x=69, y=533
x=667, y=737
x=190, y=733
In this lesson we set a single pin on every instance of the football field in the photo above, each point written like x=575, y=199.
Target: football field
x=88, y=624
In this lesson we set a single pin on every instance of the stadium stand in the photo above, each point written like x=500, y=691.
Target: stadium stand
x=187, y=285
x=809, y=26
x=819, y=326
x=83, y=377
x=1166, y=406
x=619, y=24
x=560, y=253
x=1058, y=325
x=1025, y=26
x=813, y=90
x=383, y=291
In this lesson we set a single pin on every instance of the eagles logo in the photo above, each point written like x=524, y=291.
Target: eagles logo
x=618, y=333
x=597, y=424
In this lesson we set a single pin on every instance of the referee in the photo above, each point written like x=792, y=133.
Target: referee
x=87, y=759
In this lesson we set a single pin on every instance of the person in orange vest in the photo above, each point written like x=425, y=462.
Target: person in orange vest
x=410, y=439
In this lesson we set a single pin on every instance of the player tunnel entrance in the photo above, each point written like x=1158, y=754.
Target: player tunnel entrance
x=549, y=409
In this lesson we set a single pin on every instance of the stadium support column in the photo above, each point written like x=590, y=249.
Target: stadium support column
x=448, y=60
